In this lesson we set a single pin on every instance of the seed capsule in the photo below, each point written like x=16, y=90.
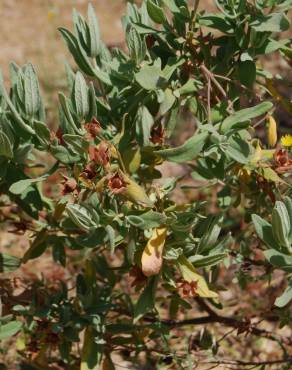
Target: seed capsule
x=272, y=131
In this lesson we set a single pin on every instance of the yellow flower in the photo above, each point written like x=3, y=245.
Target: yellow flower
x=286, y=140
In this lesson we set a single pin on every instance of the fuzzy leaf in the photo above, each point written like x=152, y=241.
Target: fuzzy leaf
x=186, y=152
x=31, y=91
x=81, y=96
x=244, y=115
x=146, y=301
x=94, y=33
x=9, y=263
x=5, y=146
x=10, y=329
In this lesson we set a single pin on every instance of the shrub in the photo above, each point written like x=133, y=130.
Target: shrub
x=139, y=260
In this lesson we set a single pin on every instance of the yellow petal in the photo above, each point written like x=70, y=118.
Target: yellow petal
x=189, y=274
x=286, y=140
x=152, y=255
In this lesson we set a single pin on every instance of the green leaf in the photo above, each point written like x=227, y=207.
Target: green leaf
x=212, y=229
x=186, y=152
x=9, y=263
x=79, y=55
x=19, y=121
x=286, y=297
x=146, y=301
x=81, y=96
x=207, y=261
x=92, y=352
x=78, y=144
x=63, y=155
x=270, y=175
x=149, y=77
x=66, y=111
x=238, y=149
x=244, y=115
x=37, y=248
x=136, y=45
x=247, y=73
x=144, y=122
x=111, y=237
x=153, y=219
x=42, y=133
x=31, y=91
x=172, y=66
x=264, y=231
x=5, y=146
x=10, y=329
x=278, y=259
x=218, y=22
x=81, y=58
x=276, y=22
x=94, y=34
x=172, y=120
x=168, y=101
x=155, y=12
x=189, y=87
x=81, y=217
x=20, y=186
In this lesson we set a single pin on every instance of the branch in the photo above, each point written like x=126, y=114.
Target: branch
x=248, y=363
x=213, y=317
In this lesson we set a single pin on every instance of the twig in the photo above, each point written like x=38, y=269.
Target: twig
x=213, y=317
x=206, y=71
x=248, y=363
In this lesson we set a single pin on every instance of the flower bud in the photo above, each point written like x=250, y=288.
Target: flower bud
x=272, y=131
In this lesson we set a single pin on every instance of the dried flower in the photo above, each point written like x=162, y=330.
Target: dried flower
x=187, y=289
x=100, y=154
x=93, y=128
x=281, y=157
x=157, y=135
x=117, y=183
x=57, y=135
x=150, y=41
x=89, y=172
x=69, y=185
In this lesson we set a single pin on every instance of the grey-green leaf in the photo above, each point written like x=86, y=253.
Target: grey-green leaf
x=146, y=301
x=81, y=96
x=136, y=45
x=155, y=12
x=94, y=32
x=10, y=329
x=31, y=91
x=144, y=124
x=5, y=146
x=8, y=263
x=244, y=115
x=148, y=77
x=286, y=297
x=186, y=152
x=20, y=186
